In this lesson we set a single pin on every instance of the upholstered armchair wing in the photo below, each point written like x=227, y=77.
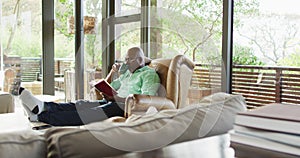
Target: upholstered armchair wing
x=9, y=76
x=175, y=75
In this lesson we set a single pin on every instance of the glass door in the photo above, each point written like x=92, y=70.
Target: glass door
x=194, y=29
x=266, y=67
x=21, y=44
x=92, y=45
x=64, y=56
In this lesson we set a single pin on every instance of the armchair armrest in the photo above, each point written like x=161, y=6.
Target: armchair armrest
x=138, y=102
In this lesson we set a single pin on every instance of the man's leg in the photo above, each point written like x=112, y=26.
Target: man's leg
x=79, y=105
x=113, y=109
x=69, y=114
x=61, y=114
x=83, y=113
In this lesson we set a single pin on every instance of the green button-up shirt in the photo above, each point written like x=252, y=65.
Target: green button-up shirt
x=143, y=81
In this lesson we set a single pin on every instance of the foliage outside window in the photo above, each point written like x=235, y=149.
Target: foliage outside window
x=193, y=28
x=272, y=33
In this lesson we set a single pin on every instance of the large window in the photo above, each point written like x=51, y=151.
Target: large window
x=21, y=43
x=266, y=51
x=127, y=31
x=164, y=28
x=127, y=7
x=127, y=35
x=64, y=49
x=123, y=30
x=192, y=28
x=92, y=44
x=65, y=46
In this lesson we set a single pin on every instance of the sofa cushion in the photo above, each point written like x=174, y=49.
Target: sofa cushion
x=212, y=116
x=216, y=115
x=22, y=144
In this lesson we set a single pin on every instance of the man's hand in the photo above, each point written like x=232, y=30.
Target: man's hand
x=108, y=98
x=116, y=67
x=114, y=70
x=113, y=98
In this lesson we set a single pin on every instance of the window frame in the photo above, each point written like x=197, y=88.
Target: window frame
x=108, y=56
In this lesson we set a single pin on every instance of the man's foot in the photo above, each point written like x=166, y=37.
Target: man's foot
x=31, y=116
x=16, y=88
x=34, y=105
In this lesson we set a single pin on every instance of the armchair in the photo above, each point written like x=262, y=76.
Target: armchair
x=9, y=76
x=175, y=75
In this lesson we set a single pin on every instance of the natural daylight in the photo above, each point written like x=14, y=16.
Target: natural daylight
x=149, y=78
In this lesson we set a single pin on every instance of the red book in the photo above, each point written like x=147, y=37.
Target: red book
x=104, y=87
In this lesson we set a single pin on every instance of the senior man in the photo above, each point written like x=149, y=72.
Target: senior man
x=138, y=79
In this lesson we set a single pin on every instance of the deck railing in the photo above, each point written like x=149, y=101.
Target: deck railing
x=30, y=67
x=259, y=85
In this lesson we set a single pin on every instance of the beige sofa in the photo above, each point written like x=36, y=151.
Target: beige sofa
x=213, y=115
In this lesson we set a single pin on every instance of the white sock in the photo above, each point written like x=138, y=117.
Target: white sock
x=31, y=116
x=28, y=112
x=31, y=101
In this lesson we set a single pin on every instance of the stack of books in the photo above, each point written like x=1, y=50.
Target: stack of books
x=270, y=131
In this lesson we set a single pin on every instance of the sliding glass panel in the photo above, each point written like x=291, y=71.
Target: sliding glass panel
x=267, y=51
x=192, y=28
x=21, y=44
x=127, y=36
x=127, y=7
x=92, y=44
x=64, y=50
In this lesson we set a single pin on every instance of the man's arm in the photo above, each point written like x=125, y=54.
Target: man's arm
x=114, y=70
x=110, y=76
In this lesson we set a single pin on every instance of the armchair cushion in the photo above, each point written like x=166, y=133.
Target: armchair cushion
x=212, y=116
x=140, y=103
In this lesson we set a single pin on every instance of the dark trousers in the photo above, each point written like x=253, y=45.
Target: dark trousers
x=79, y=113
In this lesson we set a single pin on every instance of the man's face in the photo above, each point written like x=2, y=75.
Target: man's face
x=133, y=62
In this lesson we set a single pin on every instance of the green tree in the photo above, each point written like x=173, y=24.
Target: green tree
x=93, y=48
x=290, y=60
x=245, y=56
x=274, y=36
x=17, y=37
x=195, y=27
x=92, y=8
x=63, y=11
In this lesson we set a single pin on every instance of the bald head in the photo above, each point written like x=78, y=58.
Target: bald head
x=136, y=52
x=135, y=58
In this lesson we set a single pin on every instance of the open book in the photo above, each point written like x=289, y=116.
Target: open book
x=104, y=87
